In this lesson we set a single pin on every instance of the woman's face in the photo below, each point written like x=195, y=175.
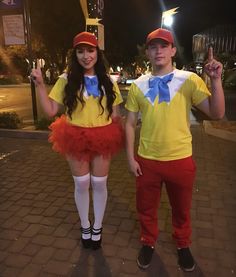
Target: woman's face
x=87, y=57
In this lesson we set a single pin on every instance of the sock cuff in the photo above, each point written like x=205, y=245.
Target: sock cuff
x=98, y=179
x=81, y=178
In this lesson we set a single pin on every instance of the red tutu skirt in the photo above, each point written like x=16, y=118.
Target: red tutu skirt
x=85, y=143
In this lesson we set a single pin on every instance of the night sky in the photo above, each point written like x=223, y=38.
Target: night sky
x=127, y=22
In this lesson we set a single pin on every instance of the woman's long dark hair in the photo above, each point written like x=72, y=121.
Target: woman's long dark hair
x=76, y=84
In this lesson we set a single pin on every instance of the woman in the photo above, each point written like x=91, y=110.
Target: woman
x=90, y=132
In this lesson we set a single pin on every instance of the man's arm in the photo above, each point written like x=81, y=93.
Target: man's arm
x=130, y=126
x=214, y=106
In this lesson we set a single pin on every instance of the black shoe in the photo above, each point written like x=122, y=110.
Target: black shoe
x=96, y=244
x=145, y=256
x=185, y=259
x=85, y=242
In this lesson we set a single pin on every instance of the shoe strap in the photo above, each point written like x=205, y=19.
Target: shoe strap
x=96, y=231
x=85, y=230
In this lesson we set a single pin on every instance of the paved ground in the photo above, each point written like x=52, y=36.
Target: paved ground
x=39, y=227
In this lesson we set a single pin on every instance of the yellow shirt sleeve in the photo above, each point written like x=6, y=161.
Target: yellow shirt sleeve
x=119, y=98
x=200, y=90
x=57, y=92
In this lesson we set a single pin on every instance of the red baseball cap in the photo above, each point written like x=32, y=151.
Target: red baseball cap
x=85, y=38
x=161, y=34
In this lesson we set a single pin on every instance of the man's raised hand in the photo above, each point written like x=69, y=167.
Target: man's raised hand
x=213, y=68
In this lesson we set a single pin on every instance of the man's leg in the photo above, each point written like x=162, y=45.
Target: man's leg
x=179, y=186
x=148, y=191
x=147, y=201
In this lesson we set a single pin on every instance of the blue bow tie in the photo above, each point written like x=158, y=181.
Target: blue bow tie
x=91, y=85
x=159, y=86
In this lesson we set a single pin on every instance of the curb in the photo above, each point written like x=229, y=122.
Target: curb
x=24, y=134
x=221, y=131
x=15, y=85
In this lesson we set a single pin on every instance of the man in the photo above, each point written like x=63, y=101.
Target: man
x=164, y=98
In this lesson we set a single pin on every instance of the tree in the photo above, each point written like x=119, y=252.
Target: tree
x=55, y=23
x=14, y=60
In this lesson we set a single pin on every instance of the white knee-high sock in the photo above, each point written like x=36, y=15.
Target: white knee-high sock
x=99, y=185
x=81, y=194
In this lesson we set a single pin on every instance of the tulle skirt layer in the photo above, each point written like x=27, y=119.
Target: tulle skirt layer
x=86, y=143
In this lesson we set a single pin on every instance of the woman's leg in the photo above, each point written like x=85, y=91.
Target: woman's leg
x=100, y=168
x=81, y=176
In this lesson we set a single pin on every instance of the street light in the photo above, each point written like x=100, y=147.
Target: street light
x=167, y=17
x=168, y=21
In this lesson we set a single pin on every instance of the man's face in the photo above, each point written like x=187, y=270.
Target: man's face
x=160, y=53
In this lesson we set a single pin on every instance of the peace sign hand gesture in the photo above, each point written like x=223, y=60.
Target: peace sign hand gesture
x=213, y=68
x=36, y=75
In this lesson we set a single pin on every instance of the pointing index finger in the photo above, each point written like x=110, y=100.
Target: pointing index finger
x=38, y=64
x=210, y=54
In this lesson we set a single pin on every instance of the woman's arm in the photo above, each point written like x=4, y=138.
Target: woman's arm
x=50, y=106
x=116, y=111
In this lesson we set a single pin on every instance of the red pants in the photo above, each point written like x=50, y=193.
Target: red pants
x=178, y=176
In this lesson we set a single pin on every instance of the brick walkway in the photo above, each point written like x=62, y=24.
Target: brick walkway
x=39, y=232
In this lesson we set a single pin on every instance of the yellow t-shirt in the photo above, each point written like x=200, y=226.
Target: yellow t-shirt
x=165, y=133
x=91, y=114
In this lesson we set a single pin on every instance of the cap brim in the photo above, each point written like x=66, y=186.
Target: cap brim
x=87, y=43
x=148, y=42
